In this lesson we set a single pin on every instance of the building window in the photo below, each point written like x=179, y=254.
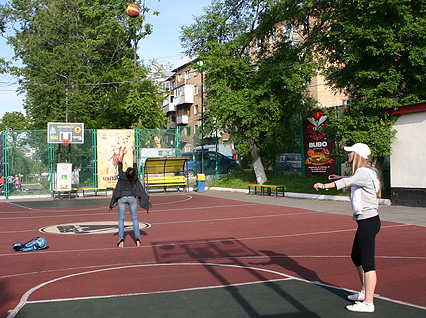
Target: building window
x=195, y=89
x=187, y=75
x=195, y=109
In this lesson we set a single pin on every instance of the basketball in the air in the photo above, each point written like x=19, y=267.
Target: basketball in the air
x=132, y=10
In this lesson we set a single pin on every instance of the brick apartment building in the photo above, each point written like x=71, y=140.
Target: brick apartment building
x=185, y=87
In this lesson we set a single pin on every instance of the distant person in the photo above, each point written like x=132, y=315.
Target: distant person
x=17, y=183
x=128, y=191
x=364, y=186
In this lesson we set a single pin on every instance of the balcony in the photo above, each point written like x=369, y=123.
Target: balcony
x=182, y=120
x=184, y=95
x=168, y=105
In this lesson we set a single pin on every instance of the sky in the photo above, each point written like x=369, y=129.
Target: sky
x=163, y=44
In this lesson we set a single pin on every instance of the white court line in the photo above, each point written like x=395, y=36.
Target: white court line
x=188, y=197
x=24, y=298
x=199, y=242
x=56, y=210
x=392, y=257
x=159, y=292
x=194, y=221
x=106, y=208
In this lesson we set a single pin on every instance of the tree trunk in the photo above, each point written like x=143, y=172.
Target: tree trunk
x=259, y=170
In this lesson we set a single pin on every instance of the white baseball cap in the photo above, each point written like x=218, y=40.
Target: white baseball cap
x=361, y=149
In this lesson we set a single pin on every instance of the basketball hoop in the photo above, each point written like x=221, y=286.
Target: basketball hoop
x=66, y=142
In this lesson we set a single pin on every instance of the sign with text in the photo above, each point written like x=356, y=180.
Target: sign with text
x=63, y=176
x=57, y=133
x=317, y=146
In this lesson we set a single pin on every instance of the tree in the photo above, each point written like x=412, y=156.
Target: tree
x=79, y=62
x=13, y=121
x=257, y=86
x=375, y=53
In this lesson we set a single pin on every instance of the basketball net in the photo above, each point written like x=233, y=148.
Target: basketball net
x=65, y=142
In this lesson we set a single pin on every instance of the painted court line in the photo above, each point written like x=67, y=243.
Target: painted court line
x=105, y=208
x=158, y=292
x=392, y=257
x=24, y=299
x=206, y=241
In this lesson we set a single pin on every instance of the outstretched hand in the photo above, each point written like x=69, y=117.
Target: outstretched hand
x=334, y=177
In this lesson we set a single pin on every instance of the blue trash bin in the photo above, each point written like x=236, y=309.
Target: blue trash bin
x=201, y=182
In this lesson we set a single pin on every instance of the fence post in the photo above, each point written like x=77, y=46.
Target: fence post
x=51, y=167
x=95, y=157
x=177, y=134
x=6, y=165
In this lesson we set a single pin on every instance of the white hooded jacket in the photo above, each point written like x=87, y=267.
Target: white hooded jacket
x=364, y=187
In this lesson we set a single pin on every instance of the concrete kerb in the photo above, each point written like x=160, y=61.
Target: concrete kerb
x=295, y=195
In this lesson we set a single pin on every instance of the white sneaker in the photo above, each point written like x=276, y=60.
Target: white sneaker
x=360, y=296
x=361, y=307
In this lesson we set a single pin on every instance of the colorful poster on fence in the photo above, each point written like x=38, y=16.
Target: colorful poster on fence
x=317, y=147
x=110, y=145
x=63, y=176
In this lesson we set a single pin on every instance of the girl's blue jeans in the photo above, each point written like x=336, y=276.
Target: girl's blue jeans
x=133, y=206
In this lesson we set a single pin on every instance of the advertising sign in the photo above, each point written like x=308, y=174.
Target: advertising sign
x=111, y=143
x=63, y=176
x=317, y=146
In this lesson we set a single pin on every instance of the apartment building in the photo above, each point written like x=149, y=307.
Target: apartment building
x=183, y=107
x=186, y=86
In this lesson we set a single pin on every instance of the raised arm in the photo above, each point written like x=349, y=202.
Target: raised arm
x=134, y=154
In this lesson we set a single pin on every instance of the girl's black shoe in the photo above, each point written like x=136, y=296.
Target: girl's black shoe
x=138, y=242
x=120, y=243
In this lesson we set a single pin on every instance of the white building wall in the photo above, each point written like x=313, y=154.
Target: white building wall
x=408, y=158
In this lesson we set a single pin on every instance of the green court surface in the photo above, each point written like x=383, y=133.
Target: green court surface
x=281, y=298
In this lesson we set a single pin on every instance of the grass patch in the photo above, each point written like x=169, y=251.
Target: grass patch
x=291, y=182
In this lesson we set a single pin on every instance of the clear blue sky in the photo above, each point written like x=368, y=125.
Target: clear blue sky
x=163, y=45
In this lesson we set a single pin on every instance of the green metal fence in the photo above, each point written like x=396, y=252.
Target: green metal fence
x=29, y=161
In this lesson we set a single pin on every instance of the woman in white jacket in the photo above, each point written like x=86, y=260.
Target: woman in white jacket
x=364, y=186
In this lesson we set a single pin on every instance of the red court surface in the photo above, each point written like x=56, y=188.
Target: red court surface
x=190, y=242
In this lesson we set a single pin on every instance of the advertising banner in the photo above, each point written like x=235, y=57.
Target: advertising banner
x=111, y=143
x=317, y=147
x=64, y=176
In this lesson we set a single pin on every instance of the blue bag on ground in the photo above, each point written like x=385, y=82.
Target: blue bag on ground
x=37, y=243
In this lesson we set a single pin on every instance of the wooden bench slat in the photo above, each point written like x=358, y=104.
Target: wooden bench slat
x=166, y=181
x=85, y=194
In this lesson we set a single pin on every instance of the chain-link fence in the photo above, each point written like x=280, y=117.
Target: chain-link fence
x=28, y=161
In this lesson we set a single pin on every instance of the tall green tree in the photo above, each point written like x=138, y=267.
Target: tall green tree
x=79, y=62
x=375, y=52
x=257, y=75
x=13, y=121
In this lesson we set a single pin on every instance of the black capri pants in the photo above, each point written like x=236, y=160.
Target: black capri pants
x=364, y=246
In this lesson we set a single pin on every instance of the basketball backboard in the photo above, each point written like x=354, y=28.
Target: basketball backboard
x=69, y=133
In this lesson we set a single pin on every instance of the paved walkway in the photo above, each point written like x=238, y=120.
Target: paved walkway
x=394, y=213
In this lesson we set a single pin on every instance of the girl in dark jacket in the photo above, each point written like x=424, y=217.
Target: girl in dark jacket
x=128, y=191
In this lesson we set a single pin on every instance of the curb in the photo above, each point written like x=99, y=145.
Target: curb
x=295, y=195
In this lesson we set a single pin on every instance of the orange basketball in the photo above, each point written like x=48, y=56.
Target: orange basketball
x=132, y=10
